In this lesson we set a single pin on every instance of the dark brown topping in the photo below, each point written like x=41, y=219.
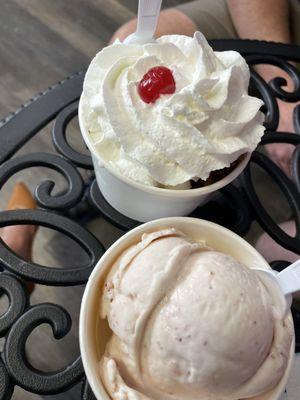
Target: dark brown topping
x=216, y=176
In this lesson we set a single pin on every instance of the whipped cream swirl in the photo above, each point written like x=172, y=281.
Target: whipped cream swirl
x=204, y=126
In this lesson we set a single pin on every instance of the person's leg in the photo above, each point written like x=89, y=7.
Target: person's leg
x=19, y=238
x=272, y=251
x=295, y=20
x=265, y=244
x=211, y=17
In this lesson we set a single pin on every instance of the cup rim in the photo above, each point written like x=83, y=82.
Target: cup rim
x=113, y=252
x=156, y=190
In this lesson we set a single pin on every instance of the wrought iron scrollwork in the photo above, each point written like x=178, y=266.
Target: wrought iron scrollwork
x=16, y=361
x=112, y=215
x=296, y=119
x=230, y=210
x=6, y=385
x=262, y=89
x=60, y=141
x=42, y=274
x=43, y=190
x=18, y=300
x=87, y=393
x=237, y=206
x=296, y=167
x=277, y=84
x=261, y=214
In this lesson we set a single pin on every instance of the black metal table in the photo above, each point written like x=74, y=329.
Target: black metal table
x=236, y=208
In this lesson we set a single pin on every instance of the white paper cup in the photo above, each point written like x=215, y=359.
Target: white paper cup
x=94, y=333
x=145, y=203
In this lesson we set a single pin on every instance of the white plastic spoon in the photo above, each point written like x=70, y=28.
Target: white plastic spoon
x=147, y=21
x=282, y=284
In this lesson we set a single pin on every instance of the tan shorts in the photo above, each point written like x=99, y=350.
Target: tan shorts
x=213, y=19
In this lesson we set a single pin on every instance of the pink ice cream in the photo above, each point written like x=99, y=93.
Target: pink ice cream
x=189, y=323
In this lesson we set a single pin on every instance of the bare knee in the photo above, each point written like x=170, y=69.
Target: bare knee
x=124, y=31
x=175, y=22
x=171, y=21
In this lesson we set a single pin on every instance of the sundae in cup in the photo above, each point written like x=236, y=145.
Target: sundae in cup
x=165, y=117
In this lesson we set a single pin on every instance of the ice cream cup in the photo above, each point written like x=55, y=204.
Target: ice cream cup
x=145, y=203
x=94, y=333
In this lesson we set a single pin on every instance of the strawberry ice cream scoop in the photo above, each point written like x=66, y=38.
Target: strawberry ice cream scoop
x=189, y=322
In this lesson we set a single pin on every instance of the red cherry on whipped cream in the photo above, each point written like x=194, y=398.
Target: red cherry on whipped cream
x=157, y=81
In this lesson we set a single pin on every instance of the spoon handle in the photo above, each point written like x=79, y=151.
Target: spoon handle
x=289, y=278
x=148, y=17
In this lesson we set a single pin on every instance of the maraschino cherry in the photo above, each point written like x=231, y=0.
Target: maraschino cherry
x=158, y=80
